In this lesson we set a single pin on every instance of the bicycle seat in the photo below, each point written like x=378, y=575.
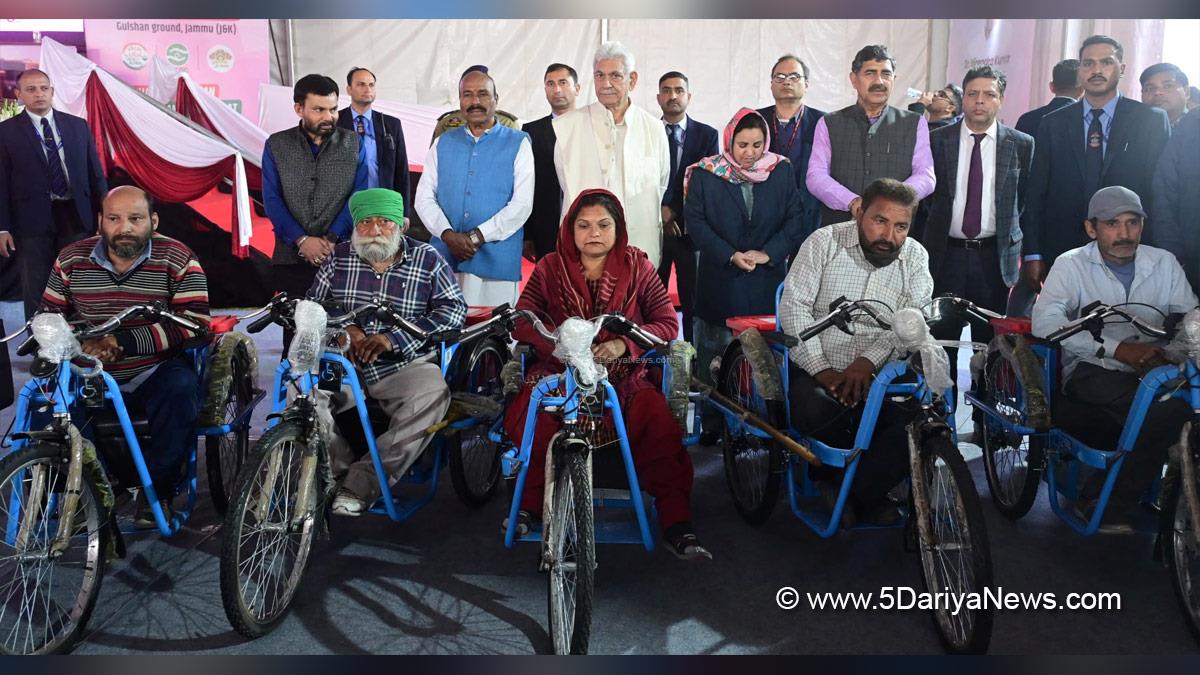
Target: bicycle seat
x=478, y=314
x=763, y=322
x=1014, y=325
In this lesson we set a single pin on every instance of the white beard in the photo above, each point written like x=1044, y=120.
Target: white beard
x=376, y=249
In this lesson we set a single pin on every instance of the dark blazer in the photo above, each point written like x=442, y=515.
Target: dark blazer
x=699, y=141
x=542, y=226
x=389, y=150
x=1030, y=121
x=1014, y=160
x=801, y=150
x=716, y=213
x=25, y=180
x=1055, y=204
x=1177, y=197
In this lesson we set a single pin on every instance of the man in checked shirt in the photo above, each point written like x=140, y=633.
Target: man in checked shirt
x=381, y=265
x=866, y=258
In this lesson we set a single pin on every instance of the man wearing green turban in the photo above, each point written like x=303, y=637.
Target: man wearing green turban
x=381, y=265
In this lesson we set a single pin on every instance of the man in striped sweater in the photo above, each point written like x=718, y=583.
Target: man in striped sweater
x=129, y=264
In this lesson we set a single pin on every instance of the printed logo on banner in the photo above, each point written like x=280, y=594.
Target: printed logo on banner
x=177, y=54
x=220, y=58
x=135, y=56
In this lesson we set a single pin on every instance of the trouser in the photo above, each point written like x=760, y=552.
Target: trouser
x=663, y=466
x=483, y=292
x=883, y=464
x=414, y=398
x=36, y=254
x=972, y=274
x=170, y=397
x=1110, y=393
x=295, y=280
x=680, y=252
x=710, y=342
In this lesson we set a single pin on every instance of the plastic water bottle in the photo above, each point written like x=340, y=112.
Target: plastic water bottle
x=913, y=93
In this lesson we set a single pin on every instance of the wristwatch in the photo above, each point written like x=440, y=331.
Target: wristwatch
x=476, y=237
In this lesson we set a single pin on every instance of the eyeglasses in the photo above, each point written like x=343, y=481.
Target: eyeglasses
x=940, y=94
x=787, y=77
x=370, y=224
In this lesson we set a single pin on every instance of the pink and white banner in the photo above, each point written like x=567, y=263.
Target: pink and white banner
x=227, y=57
x=1007, y=44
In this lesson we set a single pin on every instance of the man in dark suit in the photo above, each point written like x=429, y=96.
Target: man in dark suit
x=792, y=124
x=689, y=141
x=1064, y=84
x=1103, y=139
x=382, y=136
x=973, y=230
x=51, y=184
x=541, y=230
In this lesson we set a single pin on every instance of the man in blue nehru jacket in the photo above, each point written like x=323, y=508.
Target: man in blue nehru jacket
x=476, y=193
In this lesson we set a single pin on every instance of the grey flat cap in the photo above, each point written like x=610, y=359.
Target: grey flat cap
x=1110, y=202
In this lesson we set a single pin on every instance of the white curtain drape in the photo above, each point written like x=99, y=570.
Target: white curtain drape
x=156, y=130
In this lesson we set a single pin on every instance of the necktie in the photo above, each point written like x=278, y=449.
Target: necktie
x=360, y=125
x=673, y=143
x=1093, y=163
x=972, y=223
x=58, y=176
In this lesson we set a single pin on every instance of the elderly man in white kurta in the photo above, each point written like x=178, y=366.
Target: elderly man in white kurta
x=615, y=145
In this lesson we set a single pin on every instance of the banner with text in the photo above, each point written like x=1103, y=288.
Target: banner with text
x=228, y=57
x=1007, y=44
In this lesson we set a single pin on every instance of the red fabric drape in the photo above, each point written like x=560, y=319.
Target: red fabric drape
x=167, y=181
x=187, y=105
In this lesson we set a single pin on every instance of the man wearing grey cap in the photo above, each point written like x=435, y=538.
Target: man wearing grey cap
x=1103, y=377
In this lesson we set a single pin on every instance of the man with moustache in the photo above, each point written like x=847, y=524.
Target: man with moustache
x=1165, y=87
x=128, y=263
x=617, y=146
x=868, y=257
x=1101, y=140
x=792, y=124
x=382, y=136
x=475, y=195
x=689, y=142
x=561, y=83
x=1115, y=268
x=309, y=173
x=381, y=265
x=869, y=140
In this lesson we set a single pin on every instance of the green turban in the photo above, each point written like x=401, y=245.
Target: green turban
x=379, y=202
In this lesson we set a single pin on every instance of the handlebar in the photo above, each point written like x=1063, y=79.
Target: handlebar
x=840, y=312
x=1092, y=320
x=615, y=322
x=156, y=312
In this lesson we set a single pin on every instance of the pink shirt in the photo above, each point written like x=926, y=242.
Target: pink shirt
x=837, y=196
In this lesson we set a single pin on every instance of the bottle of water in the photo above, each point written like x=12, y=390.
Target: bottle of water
x=913, y=93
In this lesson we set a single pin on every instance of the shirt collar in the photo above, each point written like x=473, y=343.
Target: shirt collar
x=99, y=256
x=683, y=124
x=1109, y=108
x=990, y=133
x=467, y=130
x=37, y=119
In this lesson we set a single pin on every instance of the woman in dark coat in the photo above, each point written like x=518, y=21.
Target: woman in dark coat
x=744, y=214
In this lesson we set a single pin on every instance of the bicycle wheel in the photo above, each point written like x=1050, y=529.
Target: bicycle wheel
x=224, y=455
x=268, y=535
x=1012, y=462
x=753, y=465
x=955, y=555
x=572, y=557
x=474, y=458
x=48, y=597
x=1182, y=548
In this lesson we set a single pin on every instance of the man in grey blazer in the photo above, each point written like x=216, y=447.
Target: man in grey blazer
x=973, y=230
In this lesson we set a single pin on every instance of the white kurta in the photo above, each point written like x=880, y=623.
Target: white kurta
x=587, y=155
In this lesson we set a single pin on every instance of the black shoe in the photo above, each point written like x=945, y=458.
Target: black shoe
x=709, y=439
x=829, y=492
x=524, y=524
x=682, y=542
